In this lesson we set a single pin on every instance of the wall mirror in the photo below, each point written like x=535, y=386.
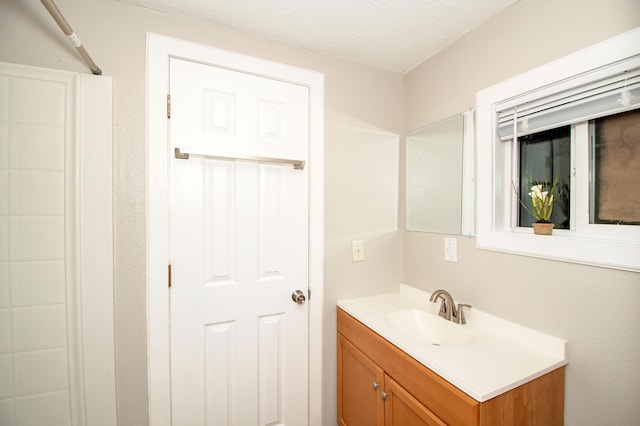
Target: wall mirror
x=439, y=177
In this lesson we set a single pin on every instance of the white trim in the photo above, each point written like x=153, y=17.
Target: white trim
x=159, y=50
x=468, y=174
x=95, y=193
x=72, y=256
x=495, y=230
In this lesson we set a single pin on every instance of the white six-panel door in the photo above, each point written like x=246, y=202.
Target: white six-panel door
x=239, y=248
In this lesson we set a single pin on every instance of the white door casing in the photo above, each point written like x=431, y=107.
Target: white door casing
x=159, y=51
x=239, y=249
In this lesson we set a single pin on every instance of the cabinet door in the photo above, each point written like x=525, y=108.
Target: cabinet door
x=360, y=383
x=402, y=409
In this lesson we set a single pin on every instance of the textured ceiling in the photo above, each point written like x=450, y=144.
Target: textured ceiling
x=394, y=35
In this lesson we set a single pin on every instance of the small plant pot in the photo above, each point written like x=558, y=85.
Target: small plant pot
x=541, y=228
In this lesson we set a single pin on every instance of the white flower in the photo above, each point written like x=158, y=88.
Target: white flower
x=541, y=201
x=536, y=191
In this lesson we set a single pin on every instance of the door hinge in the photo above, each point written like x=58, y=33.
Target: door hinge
x=168, y=106
x=169, y=275
x=309, y=293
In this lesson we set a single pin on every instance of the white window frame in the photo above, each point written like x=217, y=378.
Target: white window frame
x=601, y=245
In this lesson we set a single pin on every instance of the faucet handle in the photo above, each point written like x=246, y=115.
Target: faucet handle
x=461, y=318
x=444, y=307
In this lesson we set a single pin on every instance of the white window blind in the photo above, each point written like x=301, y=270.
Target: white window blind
x=604, y=91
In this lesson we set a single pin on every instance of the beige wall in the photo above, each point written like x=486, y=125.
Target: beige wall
x=595, y=308
x=363, y=124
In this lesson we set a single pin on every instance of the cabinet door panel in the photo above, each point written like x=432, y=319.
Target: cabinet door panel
x=359, y=402
x=402, y=409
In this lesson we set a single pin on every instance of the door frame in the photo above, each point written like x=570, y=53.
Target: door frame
x=159, y=49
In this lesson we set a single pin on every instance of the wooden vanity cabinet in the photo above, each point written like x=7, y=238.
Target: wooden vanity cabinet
x=360, y=382
x=402, y=409
x=367, y=396
x=379, y=384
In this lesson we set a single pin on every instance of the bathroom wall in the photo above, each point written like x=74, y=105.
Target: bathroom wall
x=363, y=124
x=596, y=309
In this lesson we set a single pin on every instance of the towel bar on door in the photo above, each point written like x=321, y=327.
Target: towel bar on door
x=184, y=155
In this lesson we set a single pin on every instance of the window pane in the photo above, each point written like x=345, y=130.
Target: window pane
x=546, y=156
x=615, y=165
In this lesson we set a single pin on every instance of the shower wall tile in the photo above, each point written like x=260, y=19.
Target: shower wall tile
x=40, y=327
x=45, y=409
x=5, y=331
x=7, y=412
x=41, y=371
x=36, y=147
x=37, y=238
x=37, y=102
x=4, y=286
x=37, y=283
x=4, y=99
x=4, y=145
x=4, y=192
x=36, y=192
x=34, y=370
x=6, y=377
x=4, y=239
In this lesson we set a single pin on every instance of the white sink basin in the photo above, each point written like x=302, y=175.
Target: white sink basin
x=428, y=327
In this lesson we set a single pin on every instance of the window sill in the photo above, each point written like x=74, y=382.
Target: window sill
x=565, y=246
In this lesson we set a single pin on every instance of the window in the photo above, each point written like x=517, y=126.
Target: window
x=576, y=122
x=545, y=158
x=615, y=169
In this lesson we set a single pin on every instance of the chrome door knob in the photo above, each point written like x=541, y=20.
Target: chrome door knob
x=298, y=297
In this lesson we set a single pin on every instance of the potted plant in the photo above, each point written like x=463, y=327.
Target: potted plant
x=542, y=198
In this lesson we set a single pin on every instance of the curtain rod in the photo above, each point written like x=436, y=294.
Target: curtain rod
x=71, y=36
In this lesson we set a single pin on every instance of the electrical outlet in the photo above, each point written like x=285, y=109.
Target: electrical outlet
x=357, y=251
x=451, y=249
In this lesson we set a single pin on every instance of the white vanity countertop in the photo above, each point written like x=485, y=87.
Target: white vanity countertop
x=501, y=356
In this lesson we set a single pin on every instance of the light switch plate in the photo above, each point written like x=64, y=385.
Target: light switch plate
x=451, y=249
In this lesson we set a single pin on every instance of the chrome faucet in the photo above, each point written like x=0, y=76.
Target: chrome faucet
x=448, y=308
